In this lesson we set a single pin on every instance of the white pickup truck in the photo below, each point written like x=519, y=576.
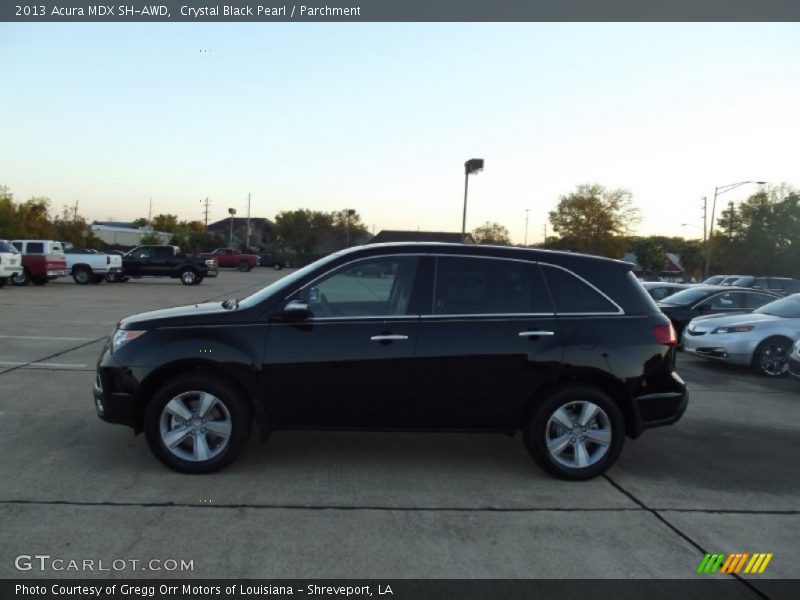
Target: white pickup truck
x=90, y=266
x=10, y=262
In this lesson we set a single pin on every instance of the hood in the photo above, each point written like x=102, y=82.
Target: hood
x=208, y=313
x=708, y=322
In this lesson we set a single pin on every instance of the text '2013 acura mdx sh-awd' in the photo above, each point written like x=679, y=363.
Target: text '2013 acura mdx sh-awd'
x=568, y=348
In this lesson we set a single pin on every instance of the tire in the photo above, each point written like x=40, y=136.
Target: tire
x=185, y=396
x=3, y=281
x=40, y=280
x=22, y=278
x=112, y=277
x=188, y=276
x=277, y=266
x=771, y=357
x=97, y=279
x=244, y=267
x=82, y=275
x=543, y=430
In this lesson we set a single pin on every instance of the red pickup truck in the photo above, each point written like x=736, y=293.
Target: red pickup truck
x=228, y=257
x=42, y=260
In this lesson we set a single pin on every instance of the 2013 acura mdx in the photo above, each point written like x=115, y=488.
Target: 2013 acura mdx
x=567, y=348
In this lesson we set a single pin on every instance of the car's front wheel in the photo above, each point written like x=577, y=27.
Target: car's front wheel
x=575, y=433
x=771, y=358
x=188, y=277
x=244, y=267
x=197, y=424
x=21, y=278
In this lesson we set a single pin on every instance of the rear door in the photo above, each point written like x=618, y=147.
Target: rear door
x=488, y=337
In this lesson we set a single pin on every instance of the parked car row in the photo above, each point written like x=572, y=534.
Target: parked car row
x=40, y=261
x=781, y=285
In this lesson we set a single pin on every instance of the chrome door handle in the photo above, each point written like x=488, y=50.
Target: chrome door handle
x=388, y=338
x=535, y=333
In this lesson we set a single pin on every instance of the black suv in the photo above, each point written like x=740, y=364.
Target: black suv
x=568, y=348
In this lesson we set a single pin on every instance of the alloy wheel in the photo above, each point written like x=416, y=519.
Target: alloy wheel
x=578, y=434
x=195, y=426
x=188, y=277
x=774, y=358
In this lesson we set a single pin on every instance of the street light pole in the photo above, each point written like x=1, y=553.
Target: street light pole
x=527, y=210
x=473, y=165
x=231, y=212
x=719, y=190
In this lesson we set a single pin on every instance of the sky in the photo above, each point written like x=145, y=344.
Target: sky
x=381, y=117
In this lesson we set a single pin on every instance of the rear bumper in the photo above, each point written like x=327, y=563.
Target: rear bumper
x=661, y=407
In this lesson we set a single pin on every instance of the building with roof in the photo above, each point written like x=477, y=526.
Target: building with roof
x=125, y=236
x=262, y=230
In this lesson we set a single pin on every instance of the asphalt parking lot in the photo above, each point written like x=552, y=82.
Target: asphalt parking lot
x=374, y=505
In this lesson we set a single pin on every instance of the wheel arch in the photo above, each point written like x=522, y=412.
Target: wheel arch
x=243, y=381
x=605, y=382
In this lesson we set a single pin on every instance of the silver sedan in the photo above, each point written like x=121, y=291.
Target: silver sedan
x=762, y=339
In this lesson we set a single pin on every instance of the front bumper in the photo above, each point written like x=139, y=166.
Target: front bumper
x=734, y=348
x=10, y=270
x=212, y=272
x=113, y=407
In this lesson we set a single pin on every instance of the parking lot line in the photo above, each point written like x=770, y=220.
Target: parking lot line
x=36, y=337
x=4, y=363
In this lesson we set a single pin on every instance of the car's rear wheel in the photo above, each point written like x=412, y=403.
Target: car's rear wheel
x=771, y=357
x=82, y=275
x=21, y=278
x=197, y=424
x=244, y=267
x=188, y=276
x=575, y=433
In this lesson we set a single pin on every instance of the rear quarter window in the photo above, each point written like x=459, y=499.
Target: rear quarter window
x=573, y=295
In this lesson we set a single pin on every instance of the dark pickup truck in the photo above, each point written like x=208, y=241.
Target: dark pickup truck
x=167, y=261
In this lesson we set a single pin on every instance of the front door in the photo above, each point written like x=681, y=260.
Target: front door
x=349, y=364
x=488, y=337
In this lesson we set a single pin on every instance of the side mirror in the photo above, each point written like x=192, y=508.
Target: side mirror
x=296, y=309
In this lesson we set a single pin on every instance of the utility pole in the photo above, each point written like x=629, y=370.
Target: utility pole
x=248, y=220
x=231, y=212
x=544, y=244
x=205, y=209
x=150, y=211
x=705, y=213
x=527, y=210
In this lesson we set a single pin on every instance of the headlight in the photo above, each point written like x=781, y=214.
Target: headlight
x=122, y=337
x=734, y=329
x=212, y=263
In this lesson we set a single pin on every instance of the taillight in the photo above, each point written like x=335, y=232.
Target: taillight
x=665, y=334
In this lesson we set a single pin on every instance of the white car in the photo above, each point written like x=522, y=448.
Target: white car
x=10, y=262
x=88, y=266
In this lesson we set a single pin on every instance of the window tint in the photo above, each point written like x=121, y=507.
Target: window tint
x=727, y=301
x=483, y=286
x=163, y=253
x=755, y=300
x=572, y=295
x=35, y=248
x=142, y=253
x=660, y=293
x=375, y=287
x=17, y=245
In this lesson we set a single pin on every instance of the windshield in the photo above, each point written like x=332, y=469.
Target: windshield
x=6, y=247
x=715, y=280
x=283, y=284
x=686, y=297
x=788, y=308
x=745, y=281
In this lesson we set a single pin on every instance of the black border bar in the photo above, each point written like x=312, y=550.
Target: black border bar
x=71, y=11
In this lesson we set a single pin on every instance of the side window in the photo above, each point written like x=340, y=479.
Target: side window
x=659, y=293
x=761, y=282
x=756, y=300
x=163, y=253
x=572, y=295
x=377, y=287
x=56, y=249
x=143, y=253
x=35, y=247
x=483, y=286
x=727, y=301
x=17, y=245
